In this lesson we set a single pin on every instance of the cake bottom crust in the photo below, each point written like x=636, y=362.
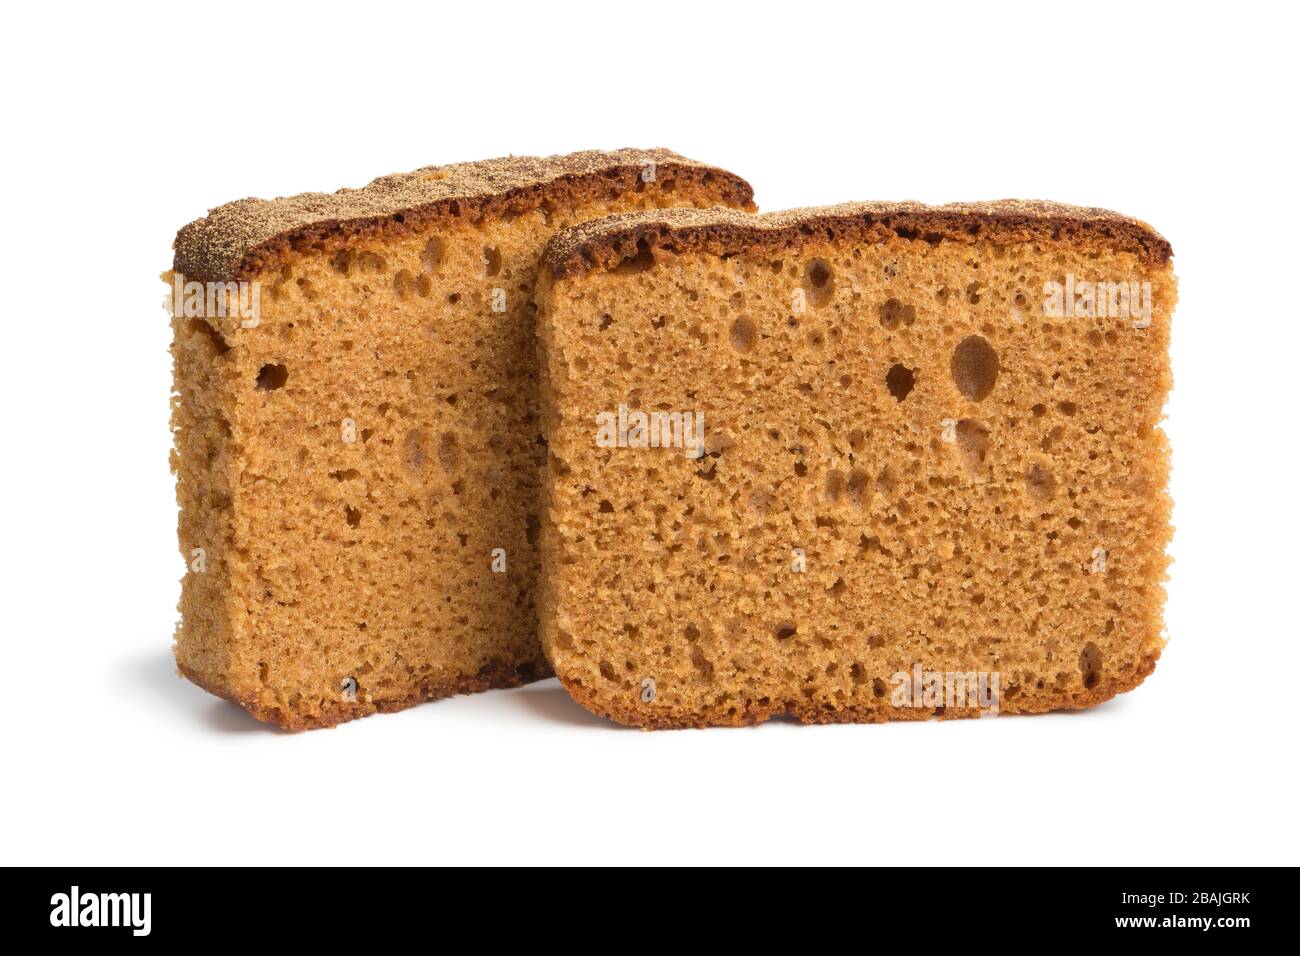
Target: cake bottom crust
x=646, y=718
x=493, y=676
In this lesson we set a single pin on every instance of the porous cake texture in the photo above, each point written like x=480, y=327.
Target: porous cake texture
x=868, y=462
x=357, y=440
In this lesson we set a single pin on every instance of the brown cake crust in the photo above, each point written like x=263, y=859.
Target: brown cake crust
x=751, y=715
x=496, y=676
x=242, y=238
x=606, y=242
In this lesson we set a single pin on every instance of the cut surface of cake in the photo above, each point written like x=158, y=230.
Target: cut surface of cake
x=860, y=463
x=356, y=431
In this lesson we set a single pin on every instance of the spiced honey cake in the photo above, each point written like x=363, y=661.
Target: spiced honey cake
x=859, y=463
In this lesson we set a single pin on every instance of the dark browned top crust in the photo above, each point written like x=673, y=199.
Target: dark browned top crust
x=604, y=243
x=242, y=238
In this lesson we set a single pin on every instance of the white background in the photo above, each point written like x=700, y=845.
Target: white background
x=123, y=124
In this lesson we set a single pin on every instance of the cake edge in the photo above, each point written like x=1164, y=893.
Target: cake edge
x=242, y=238
x=492, y=676
x=603, y=243
x=646, y=718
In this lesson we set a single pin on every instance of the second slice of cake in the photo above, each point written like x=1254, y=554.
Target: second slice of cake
x=878, y=461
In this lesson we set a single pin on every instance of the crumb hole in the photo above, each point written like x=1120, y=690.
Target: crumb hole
x=271, y=377
x=973, y=443
x=403, y=283
x=448, y=452
x=643, y=261
x=1040, y=482
x=204, y=328
x=821, y=282
x=413, y=453
x=859, y=490
x=975, y=368
x=900, y=381
x=1090, y=665
x=834, y=486
x=743, y=334
x=702, y=663
x=431, y=256
x=894, y=314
